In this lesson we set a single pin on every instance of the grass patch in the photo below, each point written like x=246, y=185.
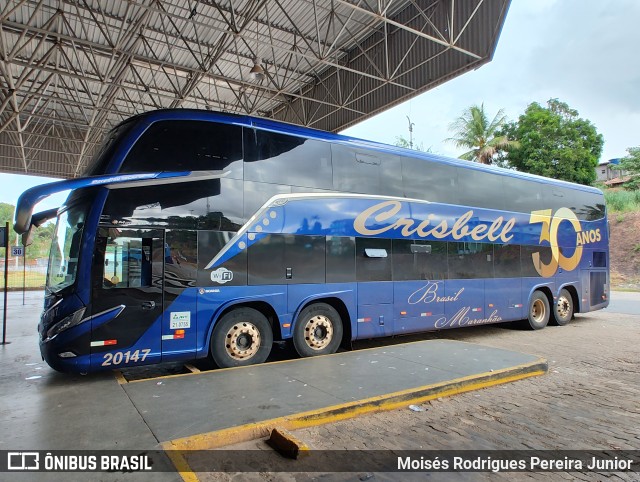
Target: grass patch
x=625, y=289
x=32, y=280
x=622, y=201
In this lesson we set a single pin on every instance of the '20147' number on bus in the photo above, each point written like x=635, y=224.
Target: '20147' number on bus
x=118, y=357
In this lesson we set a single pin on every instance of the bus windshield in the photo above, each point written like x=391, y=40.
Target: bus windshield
x=65, y=248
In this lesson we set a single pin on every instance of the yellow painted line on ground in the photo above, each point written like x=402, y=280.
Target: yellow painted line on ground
x=191, y=368
x=120, y=377
x=344, y=411
x=182, y=466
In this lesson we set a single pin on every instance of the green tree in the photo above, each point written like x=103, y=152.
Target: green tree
x=555, y=142
x=631, y=164
x=6, y=214
x=403, y=142
x=473, y=131
x=41, y=240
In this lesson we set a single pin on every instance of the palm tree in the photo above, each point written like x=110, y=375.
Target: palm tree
x=473, y=131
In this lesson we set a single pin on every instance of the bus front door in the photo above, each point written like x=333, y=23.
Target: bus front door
x=126, y=303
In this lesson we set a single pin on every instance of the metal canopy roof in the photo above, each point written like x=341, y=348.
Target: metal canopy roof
x=72, y=69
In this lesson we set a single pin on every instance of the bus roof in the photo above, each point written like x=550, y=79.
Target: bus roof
x=307, y=132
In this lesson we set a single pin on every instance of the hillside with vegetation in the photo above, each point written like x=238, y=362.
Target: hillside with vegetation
x=624, y=238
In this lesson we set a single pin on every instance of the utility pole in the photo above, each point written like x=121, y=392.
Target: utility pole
x=6, y=242
x=411, y=124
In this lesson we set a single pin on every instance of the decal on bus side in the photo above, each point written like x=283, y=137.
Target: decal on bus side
x=221, y=275
x=384, y=211
x=429, y=294
x=118, y=357
x=549, y=233
x=179, y=319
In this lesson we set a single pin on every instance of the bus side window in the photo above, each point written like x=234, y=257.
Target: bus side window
x=431, y=181
x=524, y=196
x=479, y=189
x=341, y=259
x=355, y=171
x=543, y=254
x=288, y=160
x=371, y=262
x=127, y=263
x=470, y=260
x=507, y=261
x=176, y=145
x=419, y=260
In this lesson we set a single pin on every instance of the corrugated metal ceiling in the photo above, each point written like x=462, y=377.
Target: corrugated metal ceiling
x=72, y=69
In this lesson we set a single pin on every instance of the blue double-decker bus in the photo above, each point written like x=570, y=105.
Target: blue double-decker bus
x=197, y=234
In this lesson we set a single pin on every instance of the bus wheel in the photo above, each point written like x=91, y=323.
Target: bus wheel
x=564, y=308
x=241, y=337
x=318, y=330
x=538, y=311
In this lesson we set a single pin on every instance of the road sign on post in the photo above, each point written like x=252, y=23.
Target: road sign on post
x=3, y=237
x=17, y=251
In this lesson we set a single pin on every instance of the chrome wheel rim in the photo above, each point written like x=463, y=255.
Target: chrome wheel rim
x=318, y=332
x=564, y=307
x=242, y=341
x=538, y=311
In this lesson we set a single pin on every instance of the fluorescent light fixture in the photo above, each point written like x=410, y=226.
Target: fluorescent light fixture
x=160, y=67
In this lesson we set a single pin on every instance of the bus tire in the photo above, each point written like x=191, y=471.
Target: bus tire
x=539, y=312
x=241, y=337
x=563, y=312
x=318, y=330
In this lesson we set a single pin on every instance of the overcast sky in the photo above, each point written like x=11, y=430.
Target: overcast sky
x=583, y=52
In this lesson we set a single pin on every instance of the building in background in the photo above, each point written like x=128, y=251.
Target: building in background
x=608, y=173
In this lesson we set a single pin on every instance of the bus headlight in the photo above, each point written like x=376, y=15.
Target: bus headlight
x=66, y=323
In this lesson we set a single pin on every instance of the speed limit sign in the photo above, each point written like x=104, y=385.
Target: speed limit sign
x=17, y=251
